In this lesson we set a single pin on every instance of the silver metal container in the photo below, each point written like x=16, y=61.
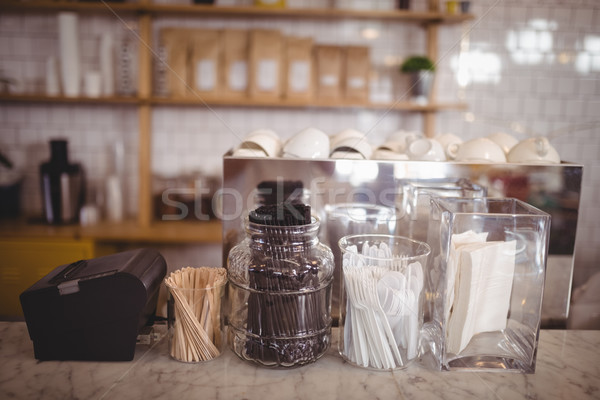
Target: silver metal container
x=553, y=188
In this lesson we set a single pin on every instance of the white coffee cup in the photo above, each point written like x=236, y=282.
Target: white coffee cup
x=308, y=143
x=265, y=140
x=425, y=149
x=481, y=150
x=536, y=150
x=262, y=132
x=255, y=153
x=446, y=140
x=386, y=154
x=401, y=139
x=346, y=155
x=358, y=145
x=344, y=135
x=393, y=146
x=92, y=84
x=504, y=140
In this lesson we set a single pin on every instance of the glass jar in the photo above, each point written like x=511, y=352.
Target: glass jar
x=344, y=219
x=382, y=298
x=280, y=295
x=194, y=313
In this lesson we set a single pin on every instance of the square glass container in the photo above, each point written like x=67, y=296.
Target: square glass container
x=416, y=199
x=485, y=284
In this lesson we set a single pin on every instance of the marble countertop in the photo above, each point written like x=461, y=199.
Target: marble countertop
x=568, y=367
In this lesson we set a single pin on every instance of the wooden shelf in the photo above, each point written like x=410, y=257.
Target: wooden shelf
x=128, y=231
x=239, y=102
x=321, y=13
x=40, y=98
x=199, y=10
x=158, y=232
x=283, y=103
x=36, y=6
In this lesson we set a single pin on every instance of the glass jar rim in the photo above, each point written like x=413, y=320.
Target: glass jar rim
x=425, y=252
x=255, y=227
x=348, y=209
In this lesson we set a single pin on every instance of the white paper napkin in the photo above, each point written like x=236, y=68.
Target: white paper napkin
x=456, y=242
x=483, y=286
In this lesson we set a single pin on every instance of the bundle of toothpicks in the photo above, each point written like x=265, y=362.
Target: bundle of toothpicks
x=197, y=295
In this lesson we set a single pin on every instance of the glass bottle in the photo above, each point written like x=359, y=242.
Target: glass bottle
x=280, y=295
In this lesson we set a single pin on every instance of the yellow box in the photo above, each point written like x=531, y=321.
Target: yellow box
x=24, y=262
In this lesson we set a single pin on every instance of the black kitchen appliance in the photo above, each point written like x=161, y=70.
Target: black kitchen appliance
x=93, y=309
x=62, y=184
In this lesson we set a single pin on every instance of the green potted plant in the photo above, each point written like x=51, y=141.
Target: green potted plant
x=421, y=70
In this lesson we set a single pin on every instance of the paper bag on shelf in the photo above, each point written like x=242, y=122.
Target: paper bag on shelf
x=235, y=63
x=329, y=72
x=357, y=66
x=205, y=61
x=298, y=71
x=266, y=49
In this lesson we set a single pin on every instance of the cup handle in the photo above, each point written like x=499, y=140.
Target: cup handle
x=419, y=147
x=409, y=139
x=452, y=150
x=542, y=146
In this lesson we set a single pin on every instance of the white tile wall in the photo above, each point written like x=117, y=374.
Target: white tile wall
x=556, y=93
x=552, y=98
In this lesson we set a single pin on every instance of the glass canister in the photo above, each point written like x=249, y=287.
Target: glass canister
x=280, y=294
x=194, y=313
x=416, y=201
x=382, y=296
x=345, y=219
x=488, y=271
